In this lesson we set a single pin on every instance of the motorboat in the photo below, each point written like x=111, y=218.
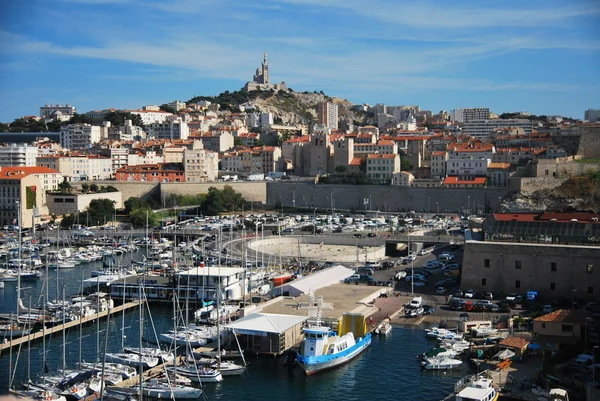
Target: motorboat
x=476, y=388
x=183, y=338
x=127, y=372
x=440, y=352
x=440, y=363
x=324, y=349
x=484, y=331
x=133, y=360
x=384, y=328
x=228, y=368
x=436, y=332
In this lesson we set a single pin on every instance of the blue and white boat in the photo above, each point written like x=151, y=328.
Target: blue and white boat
x=323, y=349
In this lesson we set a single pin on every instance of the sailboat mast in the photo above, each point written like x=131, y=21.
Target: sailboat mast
x=80, y=319
x=29, y=343
x=64, y=334
x=19, y=268
x=141, y=328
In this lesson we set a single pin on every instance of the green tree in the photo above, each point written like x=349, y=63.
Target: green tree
x=94, y=187
x=84, y=119
x=167, y=108
x=137, y=218
x=341, y=168
x=134, y=203
x=67, y=221
x=85, y=187
x=406, y=165
x=237, y=141
x=100, y=211
x=64, y=187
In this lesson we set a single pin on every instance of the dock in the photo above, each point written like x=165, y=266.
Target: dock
x=60, y=327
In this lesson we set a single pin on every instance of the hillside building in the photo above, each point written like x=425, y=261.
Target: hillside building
x=261, y=79
x=20, y=155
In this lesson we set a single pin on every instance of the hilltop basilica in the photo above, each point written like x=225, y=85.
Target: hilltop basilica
x=260, y=81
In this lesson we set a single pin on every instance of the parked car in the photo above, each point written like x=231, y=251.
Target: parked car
x=451, y=266
x=456, y=304
x=470, y=294
x=547, y=309
x=440, y=290
x=488, y=295
x=422, y=252
x=514, y=297
x=357, y=235
x=367, y=270
x=372, y=235
x=365, y=278
x=419, y=283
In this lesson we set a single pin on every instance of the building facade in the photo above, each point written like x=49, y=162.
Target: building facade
x=592, y=115
x=80, y=136
x=327, y=115
x=177, y=129
x=482, y=129
x=49, y=110
x=381, y=168
x=200, y=165
x=61, y=204
x=21, y=154
x=470, y=114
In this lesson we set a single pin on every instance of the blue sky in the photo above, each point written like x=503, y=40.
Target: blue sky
x=538, y=56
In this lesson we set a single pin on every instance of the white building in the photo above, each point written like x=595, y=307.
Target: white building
x=79, y=168
x=403, y=179
x=592, y=115
x=21, y=154
x=438, y=164
x=381, y=168
x=252, y=120
x=481, y=129
x=266, y=120
x=49, y=110
x=151, y=116
x=80, y=136
x=200, y=165
x=177, y=129
x=470, y=114
x=467, y=167
x=176, y=105
x=127, y=132
x=327, y=115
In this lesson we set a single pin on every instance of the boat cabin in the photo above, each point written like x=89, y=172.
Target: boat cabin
x=315, y=341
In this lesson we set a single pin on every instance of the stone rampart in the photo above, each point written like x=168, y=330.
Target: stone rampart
x=251, y=191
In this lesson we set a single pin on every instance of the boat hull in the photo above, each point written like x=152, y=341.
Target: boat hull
x=312, y=365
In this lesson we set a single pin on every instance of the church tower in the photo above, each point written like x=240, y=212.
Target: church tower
x=265, y=70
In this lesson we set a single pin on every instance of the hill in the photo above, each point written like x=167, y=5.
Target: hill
x=580, y=193
x=288, y=108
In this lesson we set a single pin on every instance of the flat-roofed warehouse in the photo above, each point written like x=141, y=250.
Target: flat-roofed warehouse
x=323, y=278
x=268, y=333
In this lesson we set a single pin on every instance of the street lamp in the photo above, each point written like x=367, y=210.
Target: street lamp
x=365, y=202
x=468, y=205
x=315, y=221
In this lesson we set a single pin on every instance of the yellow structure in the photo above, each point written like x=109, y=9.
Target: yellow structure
x=355, y=323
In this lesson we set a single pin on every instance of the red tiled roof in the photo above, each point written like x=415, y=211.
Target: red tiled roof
x=453, y=180
x=355, y=161
x=381, y=156
x=562, y=316
x=29, y=170
x=514, y=342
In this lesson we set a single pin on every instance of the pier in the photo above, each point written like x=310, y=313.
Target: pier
x=58, y=328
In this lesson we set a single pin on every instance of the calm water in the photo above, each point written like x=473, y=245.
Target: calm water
x=387, y=370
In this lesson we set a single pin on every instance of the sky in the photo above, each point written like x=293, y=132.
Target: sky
x=541, y=56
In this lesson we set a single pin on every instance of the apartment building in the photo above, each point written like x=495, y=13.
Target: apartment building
x=81, y=136
x=21, y=154
x=177, y=129
x=63, y=112
x=126, y=132
x=176, y=105
x=79, y=167
x=438, y=164
x=470, y=114
x=163, y=172
x=327, y=115
x=200, y=165
x=381, y=168
x=217, y=143
x=592, y=115
x=151, y=116
x=481, y=129
x=382, y=147
x=250, y=161
x=467, y=167
x=25, y=188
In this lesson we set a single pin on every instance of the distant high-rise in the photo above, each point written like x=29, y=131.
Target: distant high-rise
x=327, y=114
x=592, y=115
x=470, y=114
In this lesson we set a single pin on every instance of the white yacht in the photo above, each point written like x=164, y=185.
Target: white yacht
x=476, y=388
x=440, y=363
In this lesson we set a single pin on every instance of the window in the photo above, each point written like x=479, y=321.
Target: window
x=590, y=290
x=518, y=264
x=589, y=268
x=486, y=263
x=552, y=286
x=553, y=266
x=518, y=284
x=483, y=282
x=567, y=328
x=543, y=325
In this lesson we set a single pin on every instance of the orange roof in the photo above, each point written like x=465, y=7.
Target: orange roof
x=385, y=143
x=381, y=156
x=454, y=180
x=29, y=170
x=514, y=342
x=501, y=166
x=355, y=161
x=562, y=316
x=442, y=153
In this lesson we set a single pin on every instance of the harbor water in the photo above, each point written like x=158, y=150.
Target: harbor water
x=389, y=369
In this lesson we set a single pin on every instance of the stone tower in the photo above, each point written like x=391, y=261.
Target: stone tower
x=265, y=70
